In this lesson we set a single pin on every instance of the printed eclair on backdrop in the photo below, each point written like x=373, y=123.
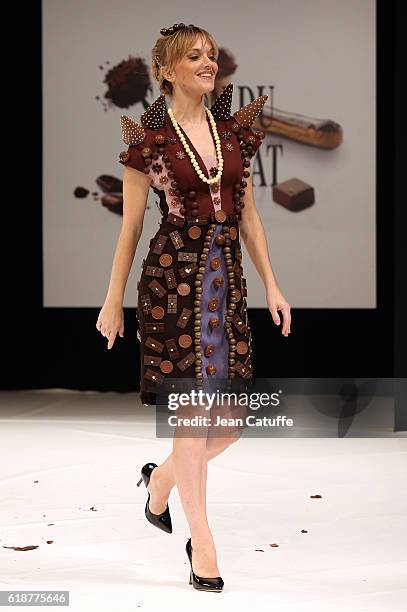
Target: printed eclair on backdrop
x=192, y=310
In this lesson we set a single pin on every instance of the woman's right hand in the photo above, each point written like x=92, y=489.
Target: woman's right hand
x=110, y=322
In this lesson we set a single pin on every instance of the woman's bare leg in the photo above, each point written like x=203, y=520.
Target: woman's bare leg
x=187, y=467
x=162, y=477
x=190, y=471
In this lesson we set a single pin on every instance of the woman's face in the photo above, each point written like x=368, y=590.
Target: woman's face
x=195, y=73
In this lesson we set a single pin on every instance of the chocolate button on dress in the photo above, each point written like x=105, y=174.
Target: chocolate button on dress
x=192, y=310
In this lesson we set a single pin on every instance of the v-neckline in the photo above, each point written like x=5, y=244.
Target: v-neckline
x=197, y=155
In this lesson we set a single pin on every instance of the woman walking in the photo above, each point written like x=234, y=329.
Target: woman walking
x=192, y=307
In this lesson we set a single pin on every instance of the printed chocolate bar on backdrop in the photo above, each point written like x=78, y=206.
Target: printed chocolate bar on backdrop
x=322, y=133
x=294, y=194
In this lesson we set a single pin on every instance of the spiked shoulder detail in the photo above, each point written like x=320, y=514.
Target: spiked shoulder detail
x=247, y=114
x=132, y=132
x=153, y=117
x=220, y=109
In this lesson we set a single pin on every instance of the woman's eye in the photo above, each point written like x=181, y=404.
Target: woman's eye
x=194, y=57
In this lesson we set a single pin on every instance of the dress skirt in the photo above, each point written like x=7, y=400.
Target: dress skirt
x=192, y=311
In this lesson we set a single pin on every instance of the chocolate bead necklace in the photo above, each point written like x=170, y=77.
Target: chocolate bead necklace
x=191, y=154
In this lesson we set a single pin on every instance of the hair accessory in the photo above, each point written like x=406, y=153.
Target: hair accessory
x=175, y=28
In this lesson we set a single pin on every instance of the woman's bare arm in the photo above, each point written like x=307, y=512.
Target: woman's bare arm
x=135, y=192
x=254, y=238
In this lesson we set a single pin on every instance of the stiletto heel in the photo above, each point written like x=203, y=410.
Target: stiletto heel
x=199, y=582
x=163, y=520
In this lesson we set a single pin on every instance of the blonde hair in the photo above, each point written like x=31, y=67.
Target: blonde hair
x=168, y=50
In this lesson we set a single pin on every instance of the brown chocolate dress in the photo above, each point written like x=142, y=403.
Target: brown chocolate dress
x=192, y=309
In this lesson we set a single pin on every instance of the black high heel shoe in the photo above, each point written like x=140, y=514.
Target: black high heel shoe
x=163, y=520
x=200, y=583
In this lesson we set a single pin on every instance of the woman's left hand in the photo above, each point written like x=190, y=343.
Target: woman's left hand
x=276, y=302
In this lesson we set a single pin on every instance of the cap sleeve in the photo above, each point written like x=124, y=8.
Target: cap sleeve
x=134, y=158
x=140, y=145
x=253, y=140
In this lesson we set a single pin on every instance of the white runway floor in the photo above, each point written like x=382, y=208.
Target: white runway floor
x=86, y=449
